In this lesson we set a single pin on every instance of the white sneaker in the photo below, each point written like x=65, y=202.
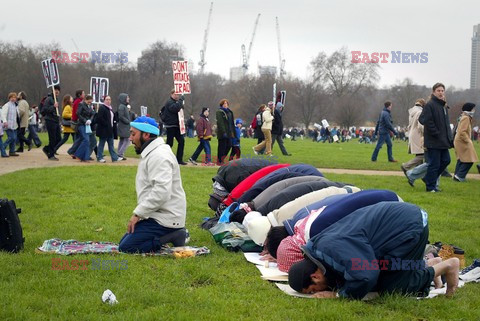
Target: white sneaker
x=101, y=161
x=192, y=161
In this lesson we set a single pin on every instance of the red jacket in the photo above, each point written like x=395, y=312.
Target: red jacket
x=204, y=128
x=75, y=107
x=248, y=182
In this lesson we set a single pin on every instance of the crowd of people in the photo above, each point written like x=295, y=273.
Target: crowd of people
x=333, y=239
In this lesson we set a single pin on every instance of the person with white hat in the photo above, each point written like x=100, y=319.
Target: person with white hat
x=161, y=202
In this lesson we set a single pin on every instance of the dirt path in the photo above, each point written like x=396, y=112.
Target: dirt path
x=36, y=159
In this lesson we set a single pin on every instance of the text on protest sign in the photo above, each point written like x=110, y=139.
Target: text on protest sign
x=181, y=80
x=50, y=72
x=99, y=89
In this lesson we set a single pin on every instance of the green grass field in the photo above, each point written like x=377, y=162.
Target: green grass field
x=351, y=155
x=95, y=203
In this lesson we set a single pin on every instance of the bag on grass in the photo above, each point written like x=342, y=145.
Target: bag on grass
x=11, y=235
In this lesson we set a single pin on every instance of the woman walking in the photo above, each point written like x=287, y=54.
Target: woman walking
x=66, y=121
x=464, y=149
x=105, y=130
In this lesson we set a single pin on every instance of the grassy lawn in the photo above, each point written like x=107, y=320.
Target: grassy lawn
x=95, y=203
x=351, y=155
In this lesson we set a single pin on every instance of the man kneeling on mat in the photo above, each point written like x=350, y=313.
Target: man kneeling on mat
x=159, y=217
x=379, y=248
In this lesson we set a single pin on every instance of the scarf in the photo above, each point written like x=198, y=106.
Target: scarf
x=111, y=113
x=469, y=113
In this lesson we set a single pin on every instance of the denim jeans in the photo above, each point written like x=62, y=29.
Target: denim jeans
x=461, y=169
x=32, y=135
x=384, y=138
x=145, y=237
x=438, y=160
x=203, y=145
x=77, y=139
x=83, y=151
x=11, y=139
x=2, y=148
x=111, y=149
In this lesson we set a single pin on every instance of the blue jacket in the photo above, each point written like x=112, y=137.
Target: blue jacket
x=276, y=176
x=384, y=124
x=337, y=207
x=381, y=231
x=236, y=139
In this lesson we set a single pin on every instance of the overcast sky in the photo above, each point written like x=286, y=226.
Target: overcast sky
x=443, y=29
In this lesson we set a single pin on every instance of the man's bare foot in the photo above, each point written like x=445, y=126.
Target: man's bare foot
x=450, y=269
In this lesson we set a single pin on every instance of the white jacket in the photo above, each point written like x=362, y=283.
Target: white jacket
x=267, y=119
x=160, y=194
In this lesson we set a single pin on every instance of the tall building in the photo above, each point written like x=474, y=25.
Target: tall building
x=475, y=68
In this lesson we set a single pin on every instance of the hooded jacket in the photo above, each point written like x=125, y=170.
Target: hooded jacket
x=123, y=126
x=434, y=117
x=383, y=231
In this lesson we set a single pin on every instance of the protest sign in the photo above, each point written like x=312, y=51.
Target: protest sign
x=181, y=79
x=50, y=72
x=143, y=110
x=181, y=122
x=325, y=123
x=99, y=89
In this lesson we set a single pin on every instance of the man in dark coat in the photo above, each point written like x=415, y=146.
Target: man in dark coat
x=384, y=127
x=377, y=248
x=277, y=129
x=225, y=130
x=437, y=136
x=51, y=113
x=171, y=122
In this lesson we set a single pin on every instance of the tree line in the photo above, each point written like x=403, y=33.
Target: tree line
x=344, y=93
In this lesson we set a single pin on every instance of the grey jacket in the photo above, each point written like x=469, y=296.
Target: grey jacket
x=123, y=126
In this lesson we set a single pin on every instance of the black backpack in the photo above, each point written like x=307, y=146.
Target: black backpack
x=42, y=110
x=259, y=118
x=163, y=113
x=11, y=235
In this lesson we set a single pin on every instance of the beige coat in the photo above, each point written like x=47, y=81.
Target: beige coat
x=415, y=131
x=24, y=113
x=463, y=143
x=267, y=119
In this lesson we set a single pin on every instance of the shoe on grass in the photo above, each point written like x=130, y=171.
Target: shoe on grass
x=101, y=160
x=190, y=160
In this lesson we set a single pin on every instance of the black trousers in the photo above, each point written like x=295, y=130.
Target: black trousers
x=21, y=139
x=54, y=136
x=224, y=146
x=174, y=132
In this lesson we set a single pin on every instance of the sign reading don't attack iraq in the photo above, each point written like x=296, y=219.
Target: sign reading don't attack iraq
x=99, y=89
x=181, y=79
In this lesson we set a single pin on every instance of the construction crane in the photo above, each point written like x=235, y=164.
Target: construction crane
x=245, y=56
x=281, y=61
x=202, y=61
